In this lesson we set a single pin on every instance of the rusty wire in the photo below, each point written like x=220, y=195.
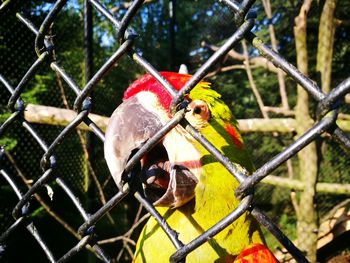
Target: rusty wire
x=244, y=20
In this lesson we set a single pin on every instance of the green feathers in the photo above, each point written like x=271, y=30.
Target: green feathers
x=214, y=193
x=222, y=130
x=218, y=109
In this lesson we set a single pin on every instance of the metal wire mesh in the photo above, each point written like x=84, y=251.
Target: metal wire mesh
x=44, y=48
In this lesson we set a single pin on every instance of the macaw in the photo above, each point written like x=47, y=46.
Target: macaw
x=187, y=185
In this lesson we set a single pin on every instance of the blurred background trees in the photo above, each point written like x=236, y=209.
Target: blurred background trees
x=313, y=35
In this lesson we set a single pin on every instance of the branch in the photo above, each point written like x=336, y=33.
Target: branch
x=280, y=73
x=254, y=61
x=41, y=201
x=342, y=116
x=62, y=117
x=225, y=69
x=57, y=116
x=330, y=188
x=82, y=142
x=252, y=82
x=336, y=223
x=347, y=99
x=126, y=5
x=344, y=124
x=126, y=236
x=281, y=125
x=294, y=200
x=325, y=44
x=279, y=110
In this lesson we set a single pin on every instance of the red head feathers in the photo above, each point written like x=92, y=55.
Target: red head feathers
x=149, y=83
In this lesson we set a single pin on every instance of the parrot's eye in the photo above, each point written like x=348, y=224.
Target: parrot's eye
x=197, y=110
x=198, y=113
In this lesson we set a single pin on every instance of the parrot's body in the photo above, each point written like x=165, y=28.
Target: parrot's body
x=193, y=190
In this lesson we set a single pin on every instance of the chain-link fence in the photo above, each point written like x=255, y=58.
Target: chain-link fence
x=58, y=170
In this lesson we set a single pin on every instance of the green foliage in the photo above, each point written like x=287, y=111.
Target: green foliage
x=39, y=212
x=8, y=143
x=287, y=223
x=41, y=83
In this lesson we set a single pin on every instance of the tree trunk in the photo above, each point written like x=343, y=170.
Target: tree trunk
x=280, y=74
x=325, y=44
x=307, y=226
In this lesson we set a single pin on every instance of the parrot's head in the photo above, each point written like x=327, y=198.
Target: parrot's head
x=173, y=168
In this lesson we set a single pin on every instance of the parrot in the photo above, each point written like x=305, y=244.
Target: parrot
x=186, y=184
